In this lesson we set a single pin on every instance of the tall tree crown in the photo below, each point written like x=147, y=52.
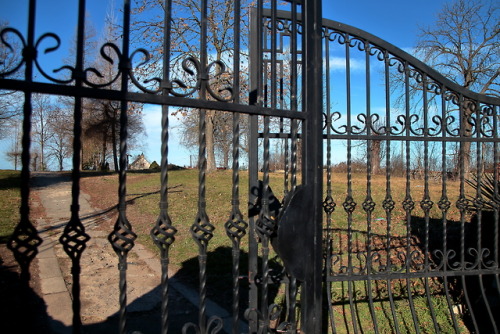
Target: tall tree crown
x=464, y=44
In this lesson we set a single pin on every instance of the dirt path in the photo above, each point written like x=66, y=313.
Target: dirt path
x=99, y=268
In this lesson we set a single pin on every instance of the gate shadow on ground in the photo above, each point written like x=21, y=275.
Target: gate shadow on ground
x=480, y=290
x=22, y=310
x=182, y=308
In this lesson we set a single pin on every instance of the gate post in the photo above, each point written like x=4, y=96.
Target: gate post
x=313, y=162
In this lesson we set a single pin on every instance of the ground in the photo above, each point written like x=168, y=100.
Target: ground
x=38, y=308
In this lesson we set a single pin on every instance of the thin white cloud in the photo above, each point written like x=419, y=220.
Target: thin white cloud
x=339, y=64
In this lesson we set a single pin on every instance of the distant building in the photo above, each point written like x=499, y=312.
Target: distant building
x=140, y=163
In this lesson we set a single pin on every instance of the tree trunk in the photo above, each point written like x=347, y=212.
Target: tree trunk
x=115, y=151
x=210, y=149
x=375, y=156
x=60, y=158
x=103, y=160
x=464, y=151
x=226, y=159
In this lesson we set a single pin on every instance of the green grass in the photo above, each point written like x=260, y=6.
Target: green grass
x=142, y=189
x=392, y=308
x=183, y=207
x=10, y=200
x=143, y=209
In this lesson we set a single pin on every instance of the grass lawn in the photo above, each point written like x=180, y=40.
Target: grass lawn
x=10, y=201
x=143, y=210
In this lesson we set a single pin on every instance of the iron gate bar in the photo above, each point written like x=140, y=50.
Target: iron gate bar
x=122, y=238
x=313, y=162
x=480, y=204
x=426, y=137
x=74, y=238
x=443, y=204
x=25, y=241
x=393, y=50
x=236, y=225
x=163, y=233
x=48, y=88
x=305, y=117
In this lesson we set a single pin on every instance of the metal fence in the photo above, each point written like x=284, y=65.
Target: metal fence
x=379, y=224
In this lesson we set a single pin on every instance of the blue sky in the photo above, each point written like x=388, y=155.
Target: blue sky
x=395, y=21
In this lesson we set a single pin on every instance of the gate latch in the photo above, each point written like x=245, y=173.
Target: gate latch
x=292, y=239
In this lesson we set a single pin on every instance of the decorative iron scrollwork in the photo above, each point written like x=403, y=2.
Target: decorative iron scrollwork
x=214, y=326
x=329, y=204
x=123, y=67
x=203, y=80
x=26, y=53
x=263, y=322
x=214, y=78
x=202, y=230
x=74, y=238
x=122, y=237
x=163, y=233
x=349, y=204
x=388, y=203
x=408, y=204
x=24, y=244
x=368, y=204
x=236, y=226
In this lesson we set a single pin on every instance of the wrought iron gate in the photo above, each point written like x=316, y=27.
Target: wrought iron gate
x=356, y=250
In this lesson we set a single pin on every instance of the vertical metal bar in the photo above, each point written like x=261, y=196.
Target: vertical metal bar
x=123, y=166
x=265, y=223
x=329, y=203
x=202, y=229
x=388, y=203
x=496, y=191
x=237, y=50
x=265, y=226
x=462, y=206
x=426, y=203
x=294, y=129
x=122, y=237
x=164, y=220
x=311, y=298
x=292, y=287
x=408, y=204
x=444, y=205
x=349, y=204
x=236, y=226
x=274, y=32
x=163, y=232
x=24, y=241
x=253, y=247
x=479, y=206
x=253, y=168
x=74, y=237
x=369, y=204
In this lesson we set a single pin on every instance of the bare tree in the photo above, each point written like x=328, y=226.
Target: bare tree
x=61, y=127
x=42, y=109
x=464, y=45
x=14, y=155
x=185, y=42
x=101, y=119
x=10, y=101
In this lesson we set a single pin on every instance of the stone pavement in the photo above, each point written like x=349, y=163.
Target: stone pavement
x=99, y=275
